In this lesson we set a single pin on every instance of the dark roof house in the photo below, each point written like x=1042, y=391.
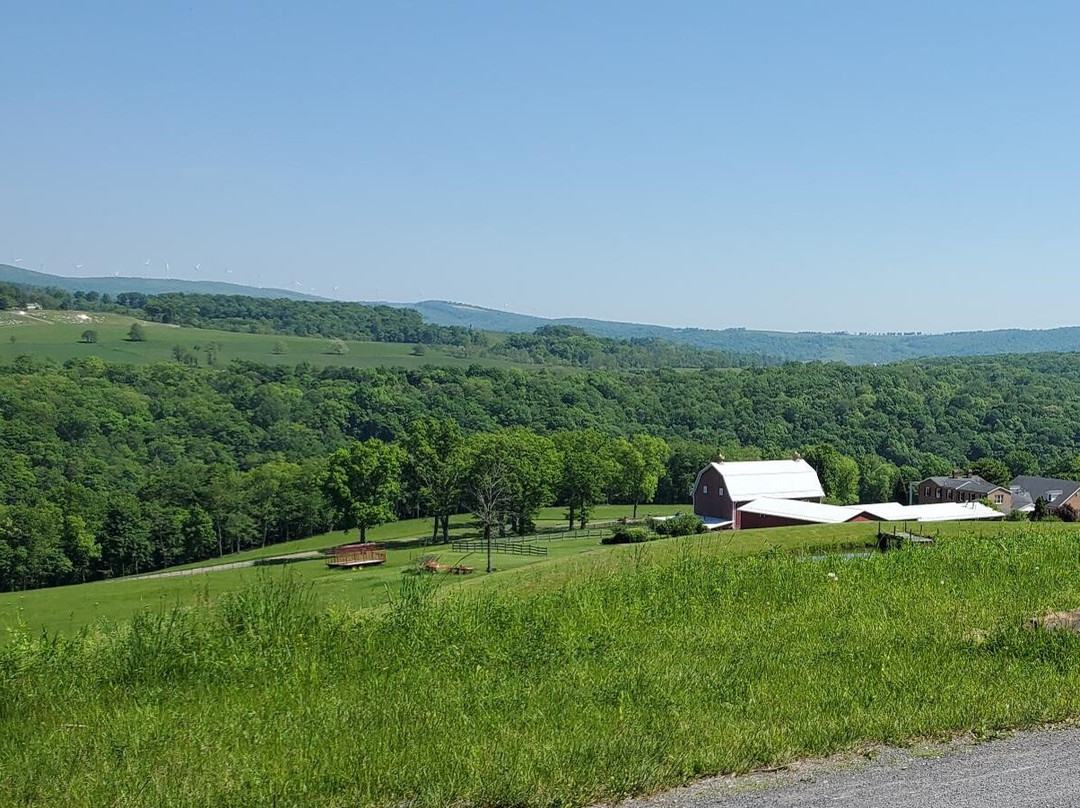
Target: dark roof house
x=1052, y=491
x=962, y=487
x=972, y=484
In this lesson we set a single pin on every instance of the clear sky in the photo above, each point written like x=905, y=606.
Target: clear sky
x=799, y=165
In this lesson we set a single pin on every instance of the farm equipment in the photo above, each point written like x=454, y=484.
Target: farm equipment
x=355, y=556
x=431, y=564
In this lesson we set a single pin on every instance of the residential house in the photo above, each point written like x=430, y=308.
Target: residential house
x=962, y=487
x=1055, y=493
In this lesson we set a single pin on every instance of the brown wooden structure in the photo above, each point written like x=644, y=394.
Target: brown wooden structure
x=353, y=556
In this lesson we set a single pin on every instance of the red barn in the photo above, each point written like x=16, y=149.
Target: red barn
x=722, y=488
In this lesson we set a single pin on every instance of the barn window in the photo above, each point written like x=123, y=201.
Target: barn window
x=719, y=492
x=704, y=489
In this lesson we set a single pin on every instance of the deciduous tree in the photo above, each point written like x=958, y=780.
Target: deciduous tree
x=363, y=484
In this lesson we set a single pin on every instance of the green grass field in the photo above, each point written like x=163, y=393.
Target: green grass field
x=66, y=608
x=566, y=683
x=69, y=607
x=56, y=335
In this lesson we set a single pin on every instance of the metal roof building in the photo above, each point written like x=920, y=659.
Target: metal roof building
x=720, y=487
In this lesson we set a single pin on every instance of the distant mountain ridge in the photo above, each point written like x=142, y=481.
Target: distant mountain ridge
x=793, y=346
x=806, y=346
x=148, y=286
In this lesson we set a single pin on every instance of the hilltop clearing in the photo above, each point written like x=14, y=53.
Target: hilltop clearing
x=59, y=335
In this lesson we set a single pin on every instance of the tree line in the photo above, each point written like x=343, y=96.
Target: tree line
x=192, y=511
x=159, y=464
x=336, y=320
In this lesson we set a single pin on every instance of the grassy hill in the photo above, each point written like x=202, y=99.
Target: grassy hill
x=65, y=608
x=70, y=607
x=149, y=286
x=572, y=682
x=56, y=335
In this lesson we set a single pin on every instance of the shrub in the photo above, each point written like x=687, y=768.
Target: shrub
x=628, y=535
x=682, y=524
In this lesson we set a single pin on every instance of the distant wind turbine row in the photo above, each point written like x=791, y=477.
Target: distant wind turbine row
x=197, y=267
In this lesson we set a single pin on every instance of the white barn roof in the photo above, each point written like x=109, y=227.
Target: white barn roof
x=944, y=512
x=747, y=480
x=825, y=514
x=817, y=512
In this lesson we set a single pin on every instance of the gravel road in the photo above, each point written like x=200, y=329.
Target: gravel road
x=233, y=565
x=1036, y=768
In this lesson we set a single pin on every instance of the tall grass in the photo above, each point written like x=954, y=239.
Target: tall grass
x=640, y=675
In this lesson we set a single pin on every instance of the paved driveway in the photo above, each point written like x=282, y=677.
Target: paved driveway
x=1038, y=768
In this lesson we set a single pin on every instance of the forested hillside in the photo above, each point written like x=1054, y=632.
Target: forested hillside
x=226, y=306
x=806, y=346
x=551, y=345
x=106, y=469
x=114, y=285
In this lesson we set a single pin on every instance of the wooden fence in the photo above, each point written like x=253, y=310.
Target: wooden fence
x=499, y=546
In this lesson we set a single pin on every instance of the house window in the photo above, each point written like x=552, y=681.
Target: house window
x=1051, y=496
x=939, y=493
x=927, y=490
x=999, y=498
x=704, y=489
x=719, y=492
x=950, y=493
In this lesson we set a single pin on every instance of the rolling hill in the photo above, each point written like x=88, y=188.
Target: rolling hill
x=148, y=286
x=58, y=336
x=805, y=346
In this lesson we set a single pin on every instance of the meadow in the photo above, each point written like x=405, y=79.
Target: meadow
x=65, y=608
x=56, y=335
x=636, y=670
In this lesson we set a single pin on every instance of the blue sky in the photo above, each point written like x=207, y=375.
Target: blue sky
x=800, y=165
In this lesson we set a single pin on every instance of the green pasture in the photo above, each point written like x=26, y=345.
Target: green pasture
x=571, y=682
x=56, y=335
x=65, y=608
